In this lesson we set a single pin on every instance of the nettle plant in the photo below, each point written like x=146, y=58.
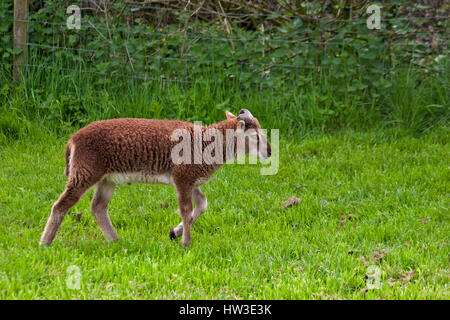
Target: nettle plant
x=122, y=40
x=6, y=23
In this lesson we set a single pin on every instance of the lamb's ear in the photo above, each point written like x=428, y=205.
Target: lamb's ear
x=229, y=115
x=246, y=116
x=241, y=125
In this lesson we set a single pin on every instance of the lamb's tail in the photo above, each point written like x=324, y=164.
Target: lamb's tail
x=68, y=159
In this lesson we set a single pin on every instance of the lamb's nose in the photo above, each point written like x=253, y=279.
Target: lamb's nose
x=269, y=152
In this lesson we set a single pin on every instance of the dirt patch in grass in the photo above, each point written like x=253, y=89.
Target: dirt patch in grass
x=402, y=277
x=373, y=258
x=344, y=219
x=291, y=202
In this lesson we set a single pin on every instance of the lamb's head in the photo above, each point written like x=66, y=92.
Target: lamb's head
x=256, y=142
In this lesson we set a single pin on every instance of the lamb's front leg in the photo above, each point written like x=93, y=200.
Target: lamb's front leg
x=200, y=206
x=184, y=194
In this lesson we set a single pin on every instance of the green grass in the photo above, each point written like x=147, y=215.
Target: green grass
x=392, y=187
x=365, y=151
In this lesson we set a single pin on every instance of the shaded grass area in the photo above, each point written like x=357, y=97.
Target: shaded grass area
x=377, y=198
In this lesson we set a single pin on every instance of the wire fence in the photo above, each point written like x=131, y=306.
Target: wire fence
x=107, y=47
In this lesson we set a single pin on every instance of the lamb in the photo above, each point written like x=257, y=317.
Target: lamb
x=127, y=150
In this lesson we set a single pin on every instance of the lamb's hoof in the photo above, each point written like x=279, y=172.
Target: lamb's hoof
x=186, y=245
x=172, y=234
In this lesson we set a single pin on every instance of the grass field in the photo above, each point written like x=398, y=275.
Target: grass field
x=377, y=198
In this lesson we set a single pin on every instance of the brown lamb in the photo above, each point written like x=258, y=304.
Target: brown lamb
x=110, y=152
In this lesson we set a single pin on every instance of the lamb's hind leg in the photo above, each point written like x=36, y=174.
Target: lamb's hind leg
x=200, y=206
x=75, y=188
x=99, y=205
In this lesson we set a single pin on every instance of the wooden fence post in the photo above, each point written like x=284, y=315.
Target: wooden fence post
x=20, y=37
